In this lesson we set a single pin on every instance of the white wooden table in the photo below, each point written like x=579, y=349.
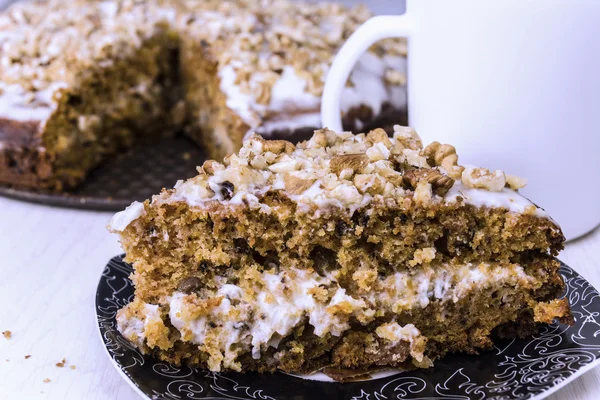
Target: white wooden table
x=50, y=263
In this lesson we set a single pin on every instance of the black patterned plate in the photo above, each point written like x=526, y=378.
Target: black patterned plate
x=531, y=368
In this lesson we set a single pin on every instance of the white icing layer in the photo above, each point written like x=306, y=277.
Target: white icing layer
x=19, y=104
x=261, y=314
x=243, y=104
x=369, y=87
x=289, y=95
x=507, y=198
x=122, y=219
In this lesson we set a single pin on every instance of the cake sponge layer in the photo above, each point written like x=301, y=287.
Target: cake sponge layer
x=247, y=320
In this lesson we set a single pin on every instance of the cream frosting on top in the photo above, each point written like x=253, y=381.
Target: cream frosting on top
x=122, y=219
x=344, y=171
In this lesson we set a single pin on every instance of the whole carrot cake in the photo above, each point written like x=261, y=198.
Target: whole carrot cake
x=83, y=81
x=343, y=252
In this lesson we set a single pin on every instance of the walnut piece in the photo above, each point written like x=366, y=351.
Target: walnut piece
x=210, y=166
x=355, y=162
x=379, y=136
x=295, y=185
x=515, y=182
x=369, y=183
x=440, y=183
x=483, y=178
x=408, y=137
x=275, y=146
x=423, y=193
x=444, y=155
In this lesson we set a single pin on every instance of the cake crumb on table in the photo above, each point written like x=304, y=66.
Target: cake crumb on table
x=47, y=380
x=61, y=363
x=73, y=367
x=7, y=334
x=27, y=356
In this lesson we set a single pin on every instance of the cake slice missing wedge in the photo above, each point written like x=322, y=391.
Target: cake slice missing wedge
x=345, y=251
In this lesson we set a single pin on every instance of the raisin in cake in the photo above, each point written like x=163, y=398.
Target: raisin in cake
x=343, y=252
x=79, y=83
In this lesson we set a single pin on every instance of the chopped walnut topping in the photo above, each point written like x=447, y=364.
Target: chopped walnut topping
x=413, y=158
x=210, y=166
x=369, y=183
x=275, y=146
x=355, y=162
x=407, y=137
x=515, y=182
x=378, y=152
x=335, y=170
x=423, y=192
x=379, y=136
x=295, y=185
x=484, y=179
x=440, y=183
x=444, y=155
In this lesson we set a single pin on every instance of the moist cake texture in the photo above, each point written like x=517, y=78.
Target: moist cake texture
x=342, y=252
x=80, y=83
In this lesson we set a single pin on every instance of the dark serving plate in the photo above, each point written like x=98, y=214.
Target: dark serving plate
x=529, y=368
x=135, y=175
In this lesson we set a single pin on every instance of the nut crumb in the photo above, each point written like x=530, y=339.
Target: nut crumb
x=7, y=334
x=27, y=356
x=61, y=363
x=440, y=183
x=73, y=367
x=355, y=162
x=515, y=182
x=47, y=380
x=484, y=179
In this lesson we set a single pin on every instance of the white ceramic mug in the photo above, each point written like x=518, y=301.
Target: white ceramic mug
x=513, y=84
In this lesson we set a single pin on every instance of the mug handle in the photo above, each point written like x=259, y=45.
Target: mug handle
x=373, y=30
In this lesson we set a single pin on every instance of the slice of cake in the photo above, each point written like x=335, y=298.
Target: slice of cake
x=81, y=83
x=344, y=251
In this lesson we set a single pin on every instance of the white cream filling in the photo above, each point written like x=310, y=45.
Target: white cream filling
x=122, y=219
x=263, y=315
x=134, y=329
